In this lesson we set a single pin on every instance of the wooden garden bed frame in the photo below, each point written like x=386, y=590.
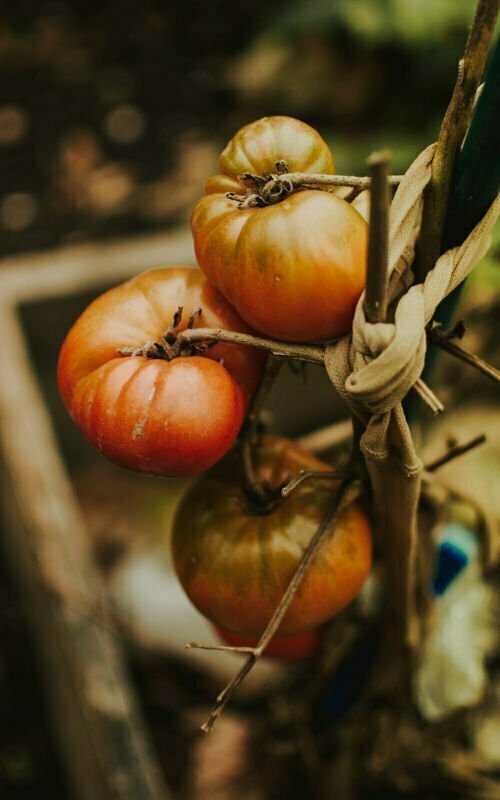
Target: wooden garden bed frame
x=101, y=736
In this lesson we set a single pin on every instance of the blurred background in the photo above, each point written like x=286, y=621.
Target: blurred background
x=112, y=116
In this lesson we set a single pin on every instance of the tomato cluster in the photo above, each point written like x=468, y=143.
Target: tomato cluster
x=278, y=259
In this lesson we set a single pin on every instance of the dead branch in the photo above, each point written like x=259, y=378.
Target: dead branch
x=443, y=341
x=455, y=452
x=346, y=493
x=252, y=485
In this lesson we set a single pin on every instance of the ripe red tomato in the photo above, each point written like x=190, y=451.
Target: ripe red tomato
x=172, y=418
x=286, y=648
x=296, y=269
x=236, y=562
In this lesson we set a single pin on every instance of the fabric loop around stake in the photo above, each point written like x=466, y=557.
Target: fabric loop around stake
x=375, y=367
x=386, y=359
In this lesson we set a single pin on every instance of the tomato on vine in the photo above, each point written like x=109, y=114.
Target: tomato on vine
x=143, y=404
x=293, y=263
x=235, y=561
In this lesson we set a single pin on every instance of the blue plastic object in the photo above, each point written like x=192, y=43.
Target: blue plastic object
x=457, y=545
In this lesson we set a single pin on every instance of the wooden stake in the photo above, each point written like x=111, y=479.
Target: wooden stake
x=375, y=304
x=452, y=133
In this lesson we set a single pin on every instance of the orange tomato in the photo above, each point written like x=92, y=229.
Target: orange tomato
x=293, y=270
x=235, y=562
x=173, y=418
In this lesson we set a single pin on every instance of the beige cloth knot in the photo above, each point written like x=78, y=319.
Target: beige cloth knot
x=376, y=366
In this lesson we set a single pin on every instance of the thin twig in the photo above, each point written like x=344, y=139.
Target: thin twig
x=455, y=452
x=264, y=190
x=314, y=179
x=313, y=354
x=427, y=395
x=252, y=486
x=442, y=341
x=375, y=305
x=450, y=455
x=345, y=494
x=225, y=648
x=452, y=133
x=307, y=475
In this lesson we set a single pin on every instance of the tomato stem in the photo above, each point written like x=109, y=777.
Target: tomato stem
x=310, y=353
x=272, y=187
x=307, y=475
x=170, y=345
x=260, y=496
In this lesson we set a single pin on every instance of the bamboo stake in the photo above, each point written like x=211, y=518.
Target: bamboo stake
x=452, y=133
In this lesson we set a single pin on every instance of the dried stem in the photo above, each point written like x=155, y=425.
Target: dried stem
x=345, y=494
x=375, y=305
x=264, y=190
x=313, y=354
x=452, y=133
x=225, y=648
x=455, y=452
x=443, y=341
x=307, y=475
x=449, y=455
x=314, y=179
x=255, y=490
x=427, y=395
x=309, y=353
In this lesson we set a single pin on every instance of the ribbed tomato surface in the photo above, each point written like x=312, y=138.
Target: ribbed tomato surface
x=235, y=564
x=173, y=418
x=296, y=269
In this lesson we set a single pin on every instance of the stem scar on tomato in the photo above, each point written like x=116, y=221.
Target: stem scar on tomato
x=264, y=190
x=168, y=346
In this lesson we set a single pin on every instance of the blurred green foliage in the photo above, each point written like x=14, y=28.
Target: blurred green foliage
x=487, y=272
x=411, y=22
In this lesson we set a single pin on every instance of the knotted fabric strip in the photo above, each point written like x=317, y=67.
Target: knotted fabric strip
x=375, y=367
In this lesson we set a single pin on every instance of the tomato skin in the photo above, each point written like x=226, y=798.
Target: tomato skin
x=293, y=270
x=257, y=147
x=235, y=564
x=286, y=648
x=362, y=204
x=172, y=418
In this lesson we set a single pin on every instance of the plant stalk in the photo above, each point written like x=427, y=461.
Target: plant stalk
x=452, y=134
